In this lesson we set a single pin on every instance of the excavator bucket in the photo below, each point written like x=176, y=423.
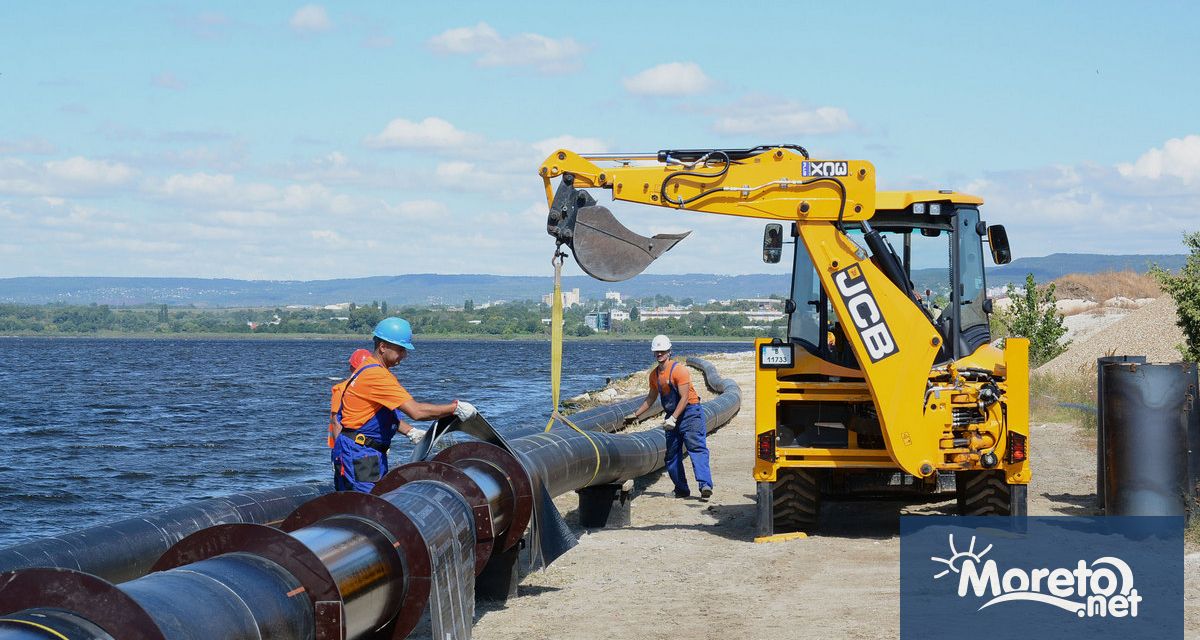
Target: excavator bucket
x=608, y=251
x=603, y=247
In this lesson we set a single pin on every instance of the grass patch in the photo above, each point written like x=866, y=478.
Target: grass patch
x=1064, y=398
x=1099, y=287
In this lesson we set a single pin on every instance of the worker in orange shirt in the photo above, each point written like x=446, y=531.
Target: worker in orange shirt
x=368, y=411
x=356, y=361
x=685, y=424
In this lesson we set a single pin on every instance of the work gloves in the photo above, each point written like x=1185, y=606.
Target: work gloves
x=630, y=419
x=464, y=410
x=669, y=423
x=414, y=434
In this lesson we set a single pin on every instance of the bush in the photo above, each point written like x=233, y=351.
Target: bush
x=1184, y=287
x=1064, y=398
x=1032, y=315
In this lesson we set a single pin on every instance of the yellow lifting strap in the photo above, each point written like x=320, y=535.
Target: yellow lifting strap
x=556, y=343
x=40, y=627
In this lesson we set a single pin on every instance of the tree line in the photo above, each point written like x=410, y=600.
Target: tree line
x=510, y=319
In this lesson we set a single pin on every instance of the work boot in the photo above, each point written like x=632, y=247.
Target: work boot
x=706, y=492
x=682, y=494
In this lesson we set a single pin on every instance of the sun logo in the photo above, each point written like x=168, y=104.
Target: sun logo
x=957, y=558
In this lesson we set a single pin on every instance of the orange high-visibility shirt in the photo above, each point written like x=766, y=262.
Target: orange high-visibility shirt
x=333, y=407
x=679, y=377
x=373, y=389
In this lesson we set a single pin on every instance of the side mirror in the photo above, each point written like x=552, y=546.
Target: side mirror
x=998, y=241
x=773, y=243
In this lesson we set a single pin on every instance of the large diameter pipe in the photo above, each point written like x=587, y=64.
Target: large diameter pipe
x=1100, y=364
x=1145, y=438
x=125, y=550
x=361, y=560
x=341, y=572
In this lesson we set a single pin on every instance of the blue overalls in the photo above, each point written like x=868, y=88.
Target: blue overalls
x=360, y=455
x=689, y=432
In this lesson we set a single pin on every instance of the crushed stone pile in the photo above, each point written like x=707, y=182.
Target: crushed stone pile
x=1150, y=331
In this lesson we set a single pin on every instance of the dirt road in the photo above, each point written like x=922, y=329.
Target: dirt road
x=688, y=569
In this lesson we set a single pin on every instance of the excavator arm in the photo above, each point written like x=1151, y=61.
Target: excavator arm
x=891, y=338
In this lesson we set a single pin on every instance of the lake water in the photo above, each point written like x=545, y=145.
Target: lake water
x=103, y=429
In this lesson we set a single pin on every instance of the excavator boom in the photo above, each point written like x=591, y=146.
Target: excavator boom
x=771, y=182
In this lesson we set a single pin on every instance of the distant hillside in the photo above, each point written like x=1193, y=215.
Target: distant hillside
x=423, y=289
x=415, y=289
x=1056, y=265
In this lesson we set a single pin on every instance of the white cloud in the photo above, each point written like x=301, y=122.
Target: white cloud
x=569, y=142
x=546, y=54
x=412, y=210
x=1178, y=158
x=248, y=218
x=452, y=171
x=430, y=133
x=205, y=188
x=29, y=145
x=309, y=19
x=327, y=236
x=1087, y=208
x=168, y=80
x=134, y=245
x=80, y=172
x=762, y=115
x=670, y=79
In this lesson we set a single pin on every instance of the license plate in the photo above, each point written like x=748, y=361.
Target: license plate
x=776, y=355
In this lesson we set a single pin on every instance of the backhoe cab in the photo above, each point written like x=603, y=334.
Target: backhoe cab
x=887, y=380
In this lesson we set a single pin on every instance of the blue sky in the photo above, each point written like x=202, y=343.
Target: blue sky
x=309, y=141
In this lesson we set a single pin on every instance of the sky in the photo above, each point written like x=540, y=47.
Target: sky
x=287, y=141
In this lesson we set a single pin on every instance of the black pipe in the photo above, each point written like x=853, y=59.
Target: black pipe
x=1100, y=363
x=125, y=550
x=347, y=574
x=1145, y=438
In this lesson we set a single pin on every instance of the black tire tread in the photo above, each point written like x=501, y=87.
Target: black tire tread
x=796, y=501
x=983, y=493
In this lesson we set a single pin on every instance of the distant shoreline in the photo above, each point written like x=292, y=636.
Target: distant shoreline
x=440, y=337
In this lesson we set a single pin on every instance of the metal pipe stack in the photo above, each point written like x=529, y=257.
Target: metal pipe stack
x=354, y=565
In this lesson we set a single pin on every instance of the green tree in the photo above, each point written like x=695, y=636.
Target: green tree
x=634, y=314
x=1184, y=287
x=468, y=305
x=1034, y=316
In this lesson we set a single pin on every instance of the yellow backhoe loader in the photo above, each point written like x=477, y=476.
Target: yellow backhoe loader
x=887, y=380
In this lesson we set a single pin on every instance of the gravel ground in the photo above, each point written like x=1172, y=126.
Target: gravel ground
x=1150, y=331
x=689, y=569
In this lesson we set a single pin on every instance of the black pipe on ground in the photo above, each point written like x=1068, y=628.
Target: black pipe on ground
x=1146, y=438
x=124, y=550
x=350, y=565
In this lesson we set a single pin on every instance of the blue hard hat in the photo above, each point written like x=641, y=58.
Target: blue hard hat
x=396, y=331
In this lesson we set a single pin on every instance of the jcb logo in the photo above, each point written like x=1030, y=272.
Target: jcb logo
x=827, y=169
x=864, y=311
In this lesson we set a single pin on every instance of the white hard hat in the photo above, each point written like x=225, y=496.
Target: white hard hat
x=660, y=343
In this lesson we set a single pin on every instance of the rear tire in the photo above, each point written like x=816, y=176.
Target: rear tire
x=796, y=501
x=985, y=493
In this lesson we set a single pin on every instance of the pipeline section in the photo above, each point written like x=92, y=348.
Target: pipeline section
x=125, y=550
x=352, y=565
